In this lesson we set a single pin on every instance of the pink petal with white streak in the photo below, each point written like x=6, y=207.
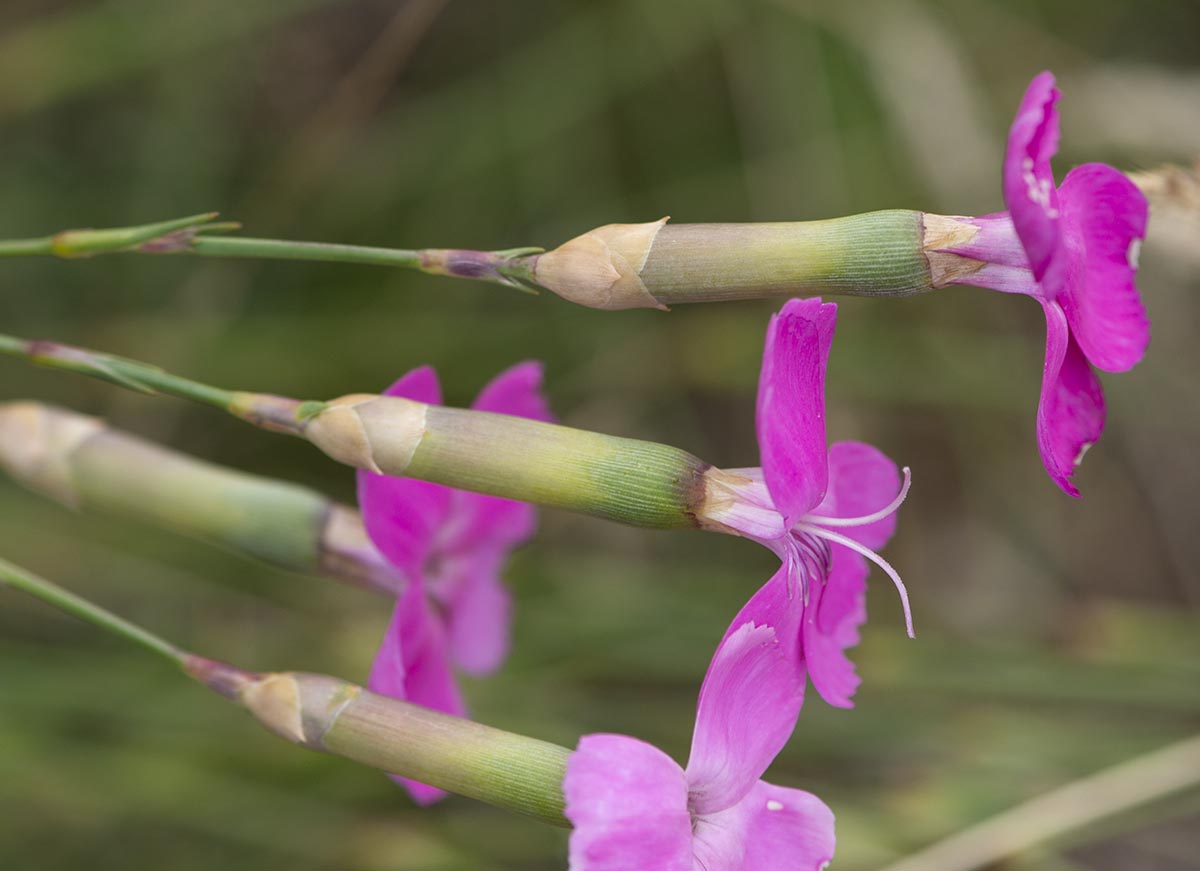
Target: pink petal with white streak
x=748, y=707
x=1071, y=409
x=790, y=416
x=1104, y=223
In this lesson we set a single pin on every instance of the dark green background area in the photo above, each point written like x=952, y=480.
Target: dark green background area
x=1055, y=637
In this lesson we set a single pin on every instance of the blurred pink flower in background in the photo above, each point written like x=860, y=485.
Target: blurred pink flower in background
x=451, y=547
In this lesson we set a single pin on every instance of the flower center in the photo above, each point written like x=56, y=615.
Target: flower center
x=814, y=528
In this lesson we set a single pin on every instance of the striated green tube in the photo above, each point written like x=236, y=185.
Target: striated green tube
x=627, y=480
x=81, y=462
x=328, y=714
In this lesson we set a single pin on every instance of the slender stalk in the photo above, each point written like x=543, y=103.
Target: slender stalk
x=331, y=715
x=26, y=247
x=64, y=600
x=85, y=243
x=263, y=410
x=281, y=249
x=1057, y=813
x=117, y=370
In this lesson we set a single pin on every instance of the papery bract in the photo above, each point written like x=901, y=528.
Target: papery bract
x=451, y=547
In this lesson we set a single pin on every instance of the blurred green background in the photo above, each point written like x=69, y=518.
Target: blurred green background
x=1055, y=637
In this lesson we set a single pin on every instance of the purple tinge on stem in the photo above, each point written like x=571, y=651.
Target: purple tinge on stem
x=1074, y=248
x=633, y=807
x=451, y=546
x=824, y=510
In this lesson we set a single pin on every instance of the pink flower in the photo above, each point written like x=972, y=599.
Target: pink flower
x=822, y=510
x=1074, y=249
x=635, y=809
x=450, y=546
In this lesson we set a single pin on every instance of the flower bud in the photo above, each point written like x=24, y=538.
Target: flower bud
x=377, y=433
x=36, y=444
x=601, y=269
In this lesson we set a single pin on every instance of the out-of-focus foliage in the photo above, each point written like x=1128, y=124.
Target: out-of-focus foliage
x=1054, y=637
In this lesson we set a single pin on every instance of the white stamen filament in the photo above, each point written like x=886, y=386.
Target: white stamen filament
x=887, y=510
x=862, y=549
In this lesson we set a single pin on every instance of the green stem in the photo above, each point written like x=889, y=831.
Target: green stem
x=26, y=247
x=191, y=235
x=282, y=249
x=64, y=600
x=627, y=480
x=80, y=462
x=331, y=715
x=85, y=243
x=117, y=370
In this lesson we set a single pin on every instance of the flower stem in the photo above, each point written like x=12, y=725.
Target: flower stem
x=331, y=715
x=64, y=600
x=617, y=266
x=280, y=249
x=195, y=235
x=117, y=370
x=81, y=462
x=630, y=481
x=85, y=243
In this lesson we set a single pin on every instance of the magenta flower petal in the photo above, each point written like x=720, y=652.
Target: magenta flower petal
x=1071, y=411
x=772, y=827
x=411, y=665
x=479, y=614
x=789, y=823
x=834, y=614
x=419, y=385
x=862, y=480
x=790, y=417
x=777, y=603
x=749, y=703
x=1104, y=220
x=628, y=802
x=1029, y=189
x=516, y=391
x=402, y=516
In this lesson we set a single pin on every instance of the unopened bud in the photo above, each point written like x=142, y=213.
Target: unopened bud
x=36, y=444
x=602, y=268
x=377, y=433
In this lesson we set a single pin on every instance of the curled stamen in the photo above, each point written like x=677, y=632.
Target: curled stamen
x=846, y=541
x=889, y=509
